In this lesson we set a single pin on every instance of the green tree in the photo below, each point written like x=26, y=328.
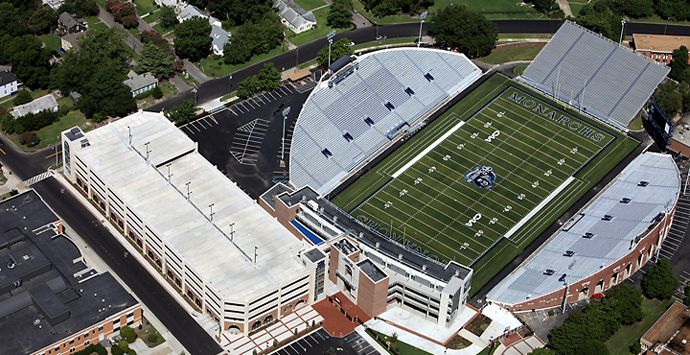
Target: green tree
x=11, y=20
x=81, y=8
x=542, y=351
x=192, y=39
x=22, y=97
x=636, y=347
x=168, y=19
x=238, y=12
x=339, y=48
x=679, y=64
x=633, y=8
x=247, y=87
x=340, y=14
x=459, y=28
x=382, y=8
x=545, y=6
x=269, y=77
x=105, y=93
x=660, y=282
x=624, y=302
x=254, y=38
x=157, y=93
x=157, y=61
x=182, y=113
x=29, y=61
x=43, y=20
x=669, y=98
x=598, y=17
x=672, y=9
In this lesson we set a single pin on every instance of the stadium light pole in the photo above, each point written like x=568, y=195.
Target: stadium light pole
x=422, y=16
x=620, y=42
x=330, y=43
x=286, y=112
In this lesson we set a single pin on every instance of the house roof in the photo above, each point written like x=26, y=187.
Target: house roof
x=219, y=37
x=136, y=81
x=190, y=11
x=43, y=103
x=7, y=77
x=293, y=13
x=67, y=20
x=659, y=43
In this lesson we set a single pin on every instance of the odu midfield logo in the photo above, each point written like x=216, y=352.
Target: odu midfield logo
x=481, y=176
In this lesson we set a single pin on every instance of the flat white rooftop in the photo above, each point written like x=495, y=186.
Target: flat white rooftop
x=185, y=226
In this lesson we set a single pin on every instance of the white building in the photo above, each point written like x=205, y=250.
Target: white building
x=54, y=4
x=43, y=103
x=294, y=17
x=8, y=83
x=219, y=36
x=226, y=255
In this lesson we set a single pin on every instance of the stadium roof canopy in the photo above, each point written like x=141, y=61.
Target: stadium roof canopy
x=156, y=191
x=355, y=112
x=633, y=208
x=594, y=74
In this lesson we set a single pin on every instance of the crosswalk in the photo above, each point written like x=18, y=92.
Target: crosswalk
x=38, y=178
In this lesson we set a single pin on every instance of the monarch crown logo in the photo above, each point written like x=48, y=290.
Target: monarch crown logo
x=481, y=176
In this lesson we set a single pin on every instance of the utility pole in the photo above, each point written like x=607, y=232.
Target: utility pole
x=188, y=192
x=147, y=150
x=620, y=42
x=330, y=43
x=422, y=16
x=232, y=231
x=196, y=98
x=286, y=112
x=211, y=207
x=169, y=174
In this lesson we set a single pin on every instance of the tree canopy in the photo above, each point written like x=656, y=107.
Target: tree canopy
x=633, y=8
x=339, y=49
x=81, y=8
x=168, y=19
x=599, y=17
x=459, y=28
x=340, y=14
x=659, y=281
x=254, y=38
x=669, y=98
x=679, y=64
x=382, y=8
x=182, y=113
x=236, y=12
x=192, y=39
x=267, y=79
x=157, y=61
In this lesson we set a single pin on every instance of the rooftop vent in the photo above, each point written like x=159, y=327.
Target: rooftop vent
x=569, y=253
x=548, y=272
x=607, y=217
x=369, y=121
x=588, y=235
x=347, y=136
x=400, y=256
x=389, y=106
x=625, y=200
x=428, y=77
x=409, y=91
x=327, y=153
x=562, y=278
x=643, y=183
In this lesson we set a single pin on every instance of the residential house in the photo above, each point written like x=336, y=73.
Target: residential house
x=659, y=48
x=170, y=3
x=8, y=83
x=43, y=103
x=140, y=84
x=219, y=36
x=294, y=17
x=54, y=4
x=70, y=41
x=67, y=24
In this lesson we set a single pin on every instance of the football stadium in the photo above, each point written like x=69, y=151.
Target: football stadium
x=486, y=177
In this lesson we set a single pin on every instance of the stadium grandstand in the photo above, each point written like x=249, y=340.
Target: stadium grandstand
x=230, y=259
x=366, y=104
x=609, y=240
x=594, y=75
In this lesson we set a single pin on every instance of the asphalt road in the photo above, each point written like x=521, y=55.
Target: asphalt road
x=218, y=87
x=185, y=329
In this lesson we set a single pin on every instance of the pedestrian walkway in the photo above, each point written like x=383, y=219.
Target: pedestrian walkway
x=340, y=315
x=38, y=178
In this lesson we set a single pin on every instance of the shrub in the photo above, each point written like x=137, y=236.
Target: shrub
x=157, y=93
x=128, y=334
x=22, y=97
x=153, y=337
x=29, y=139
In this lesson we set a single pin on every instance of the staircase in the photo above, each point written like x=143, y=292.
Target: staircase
x=680, y=220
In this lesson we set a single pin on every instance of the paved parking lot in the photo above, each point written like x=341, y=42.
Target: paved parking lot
x=318, y=343
x=244, y=140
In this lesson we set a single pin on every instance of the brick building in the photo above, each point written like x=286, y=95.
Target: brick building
x=51, y=301
x=659, y=47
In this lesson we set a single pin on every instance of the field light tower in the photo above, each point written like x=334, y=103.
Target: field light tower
x=422, y=16
x=620, y=41
x=330, y=43
x=286, y=112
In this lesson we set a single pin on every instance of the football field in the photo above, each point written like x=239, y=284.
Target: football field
x=487, y=172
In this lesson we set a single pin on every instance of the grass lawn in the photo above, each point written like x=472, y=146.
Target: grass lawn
x=3, y=178
x=520, y=69
x=49, y=134
x=576, y=6
x=216, y=67
x=512, y=53
x=95, y=23
x=152, y=17
x=310, y=4
x=619, y=343
x=145, y=6
x=52, y=42
x=387, y=20
x=432, y=209
x=320, y=31
x=494, y=9
x=403, y=348
x=636, y=124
